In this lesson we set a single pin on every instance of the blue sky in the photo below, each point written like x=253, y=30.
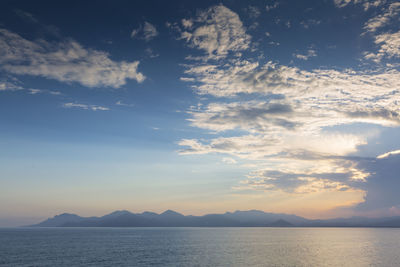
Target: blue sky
x=200, y=107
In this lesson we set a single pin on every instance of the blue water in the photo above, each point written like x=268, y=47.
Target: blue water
x=199, y=247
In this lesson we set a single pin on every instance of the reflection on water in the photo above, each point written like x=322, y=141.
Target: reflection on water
x=200, y=247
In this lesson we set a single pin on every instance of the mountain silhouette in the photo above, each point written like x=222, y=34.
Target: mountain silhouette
x=170, y=218
x=281, y=223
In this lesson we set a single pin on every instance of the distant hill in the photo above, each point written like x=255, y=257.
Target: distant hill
x=170, y=218
x=60, y=220
x=281, y=223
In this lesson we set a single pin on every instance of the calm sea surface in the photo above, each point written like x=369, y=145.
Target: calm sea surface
x=199, y=247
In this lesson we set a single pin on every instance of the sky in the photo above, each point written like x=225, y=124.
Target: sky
x=200, y=107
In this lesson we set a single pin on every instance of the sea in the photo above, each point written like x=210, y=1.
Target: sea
x=199, y=247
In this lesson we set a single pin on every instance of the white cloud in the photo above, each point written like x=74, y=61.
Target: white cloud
x=85, y=106
x=310, y=53
x=42, y=91
x=35, y=91
x=263, y=146
x=389, y=47
x=246, y=146
x=187, y=23
x=358, y=94
x=274, y=43
x=217, y=31
x=367, y=4
x=9, y=86
x=65, y=61
x=298, y=183
x=186, y=79
x=146, y=32
x=343, y=3
x=390, y=44
x=282, y=117
x=302, y=104
x=13, y=84
x=392, y=12
x=385, y=155
x=120, y=103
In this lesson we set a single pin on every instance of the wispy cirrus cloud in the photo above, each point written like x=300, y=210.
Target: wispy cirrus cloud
x=310, y=53
x=85, y=106
x=151, y=53
x=42, y=91
x=13, y=84
x=271, y=6
x=269, y=146
x=41, y=28
x=6, y=85
x=121, y=103
x=146, y=32
x=64, y=61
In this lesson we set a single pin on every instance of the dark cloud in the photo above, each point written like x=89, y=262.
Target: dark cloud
x=381, y=113
x=293, y=182
x=382, y=185
x=254, y=115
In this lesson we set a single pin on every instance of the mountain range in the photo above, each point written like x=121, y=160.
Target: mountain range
x=251, y=218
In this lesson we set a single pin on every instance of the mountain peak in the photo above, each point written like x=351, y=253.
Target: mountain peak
x=119, y=212
x=249, y=211
x=65, y=215
x=171, y=213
